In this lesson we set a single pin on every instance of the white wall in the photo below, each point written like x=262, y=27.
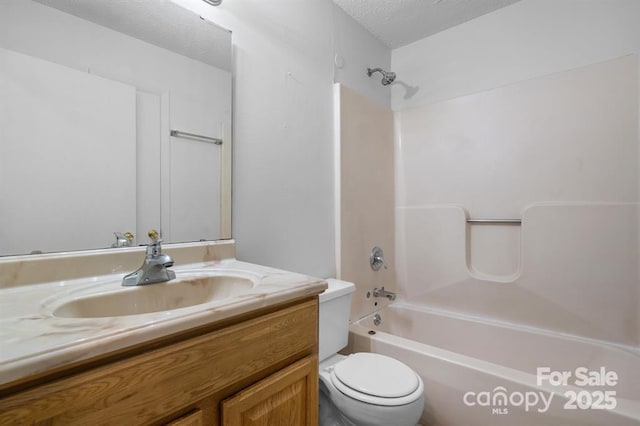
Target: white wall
x=355, y=51
x=524, y=40
x=283, y=188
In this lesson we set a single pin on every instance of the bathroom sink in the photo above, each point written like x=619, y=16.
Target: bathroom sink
x=186, y=290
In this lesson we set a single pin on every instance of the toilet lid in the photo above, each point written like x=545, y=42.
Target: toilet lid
x=372, y=377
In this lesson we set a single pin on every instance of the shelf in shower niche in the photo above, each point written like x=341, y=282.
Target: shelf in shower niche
x=515, y=222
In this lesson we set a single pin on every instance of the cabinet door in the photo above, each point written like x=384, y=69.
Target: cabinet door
x=286, y=398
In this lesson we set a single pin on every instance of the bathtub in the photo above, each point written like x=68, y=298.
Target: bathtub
x=478, y=372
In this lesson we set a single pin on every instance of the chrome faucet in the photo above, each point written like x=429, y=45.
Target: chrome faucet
x=154, y=269
x=381, y=292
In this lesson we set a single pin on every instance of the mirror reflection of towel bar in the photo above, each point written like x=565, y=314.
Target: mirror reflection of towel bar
x=495, y=221
x=179, y=134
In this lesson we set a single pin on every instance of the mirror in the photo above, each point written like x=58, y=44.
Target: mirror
x=115, y=116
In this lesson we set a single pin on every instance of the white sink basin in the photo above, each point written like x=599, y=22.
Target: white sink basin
x=186, y=290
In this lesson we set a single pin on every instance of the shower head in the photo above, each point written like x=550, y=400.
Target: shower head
x=387, y=77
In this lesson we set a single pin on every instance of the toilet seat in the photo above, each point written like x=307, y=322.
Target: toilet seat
x=376, y=379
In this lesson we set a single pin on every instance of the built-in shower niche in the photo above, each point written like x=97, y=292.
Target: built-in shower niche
x=444, y=245
x=493, y=249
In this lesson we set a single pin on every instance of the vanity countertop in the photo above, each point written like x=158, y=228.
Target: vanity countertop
x=33, y=340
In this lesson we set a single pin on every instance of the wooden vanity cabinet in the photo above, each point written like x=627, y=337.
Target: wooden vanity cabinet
x=262, y=371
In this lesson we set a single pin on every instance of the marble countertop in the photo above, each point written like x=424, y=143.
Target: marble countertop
x=34, y=340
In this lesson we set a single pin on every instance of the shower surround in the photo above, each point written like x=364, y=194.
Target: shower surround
x=559, y=152
x=560, y=290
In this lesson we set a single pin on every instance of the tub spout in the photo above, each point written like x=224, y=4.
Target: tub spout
x=381, y=292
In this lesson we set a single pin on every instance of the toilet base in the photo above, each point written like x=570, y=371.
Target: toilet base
x=328, y=413
x=338, y=409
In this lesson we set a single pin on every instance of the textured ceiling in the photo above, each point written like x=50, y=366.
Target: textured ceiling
x=159, y=22
x=400, y=22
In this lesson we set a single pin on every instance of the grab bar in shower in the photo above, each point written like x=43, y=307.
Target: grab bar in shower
x=516, y=222
x=179, y=134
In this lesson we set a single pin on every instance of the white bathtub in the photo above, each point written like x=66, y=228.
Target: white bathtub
x=483, y=373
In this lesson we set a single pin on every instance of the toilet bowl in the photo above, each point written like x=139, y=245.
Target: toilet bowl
x=363, y=389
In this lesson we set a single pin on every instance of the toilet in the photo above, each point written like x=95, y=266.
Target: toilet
x=362, y=389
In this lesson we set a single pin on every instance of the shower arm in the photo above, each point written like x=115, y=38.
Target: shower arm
x=387, y=76
x=370, y=71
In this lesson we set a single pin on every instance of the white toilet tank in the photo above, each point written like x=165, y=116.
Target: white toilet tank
x=335, y=308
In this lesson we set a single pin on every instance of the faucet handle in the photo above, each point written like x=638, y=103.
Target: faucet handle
x=154, y=235
x=154, y=248
x=376, y=259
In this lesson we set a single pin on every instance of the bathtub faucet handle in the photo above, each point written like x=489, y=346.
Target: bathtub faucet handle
x=381, y=292
x=376, y=259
